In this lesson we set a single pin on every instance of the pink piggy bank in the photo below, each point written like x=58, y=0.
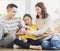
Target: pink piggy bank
x=23, y=30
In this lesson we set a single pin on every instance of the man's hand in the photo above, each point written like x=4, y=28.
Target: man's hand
x=7, y=33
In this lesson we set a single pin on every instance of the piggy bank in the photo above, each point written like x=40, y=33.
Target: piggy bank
x=23, y=30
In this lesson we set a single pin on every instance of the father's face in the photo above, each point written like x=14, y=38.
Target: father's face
x=11, y=11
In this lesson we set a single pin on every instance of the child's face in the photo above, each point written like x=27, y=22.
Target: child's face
x=27, y=20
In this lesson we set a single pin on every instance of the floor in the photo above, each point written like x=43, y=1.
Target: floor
x=24, y=50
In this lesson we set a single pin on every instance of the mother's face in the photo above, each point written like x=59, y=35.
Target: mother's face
x=38, y=10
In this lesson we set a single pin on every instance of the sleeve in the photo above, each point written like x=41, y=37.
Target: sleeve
x=5, y=29
x=2, y=22
x=1, y=31
x=47, y=26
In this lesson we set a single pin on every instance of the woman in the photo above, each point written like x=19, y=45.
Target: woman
x=44, y=24
x=42, y=19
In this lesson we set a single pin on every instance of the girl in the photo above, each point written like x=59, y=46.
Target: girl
x=26, y=38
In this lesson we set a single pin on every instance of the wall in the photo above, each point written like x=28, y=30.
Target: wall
x=28, y=6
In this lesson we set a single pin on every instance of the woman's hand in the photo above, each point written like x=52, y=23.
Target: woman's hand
x=33, y=32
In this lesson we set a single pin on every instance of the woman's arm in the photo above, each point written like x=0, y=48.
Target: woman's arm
x=47, y=26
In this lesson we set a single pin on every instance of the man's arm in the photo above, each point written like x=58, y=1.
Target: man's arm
x=1, y=31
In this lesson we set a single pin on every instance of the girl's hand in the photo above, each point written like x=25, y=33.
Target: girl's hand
x=27, y=26
x=20, y=33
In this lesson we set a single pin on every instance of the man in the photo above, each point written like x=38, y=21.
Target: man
x=9, y=26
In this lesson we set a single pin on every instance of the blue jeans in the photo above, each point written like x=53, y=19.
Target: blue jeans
x=46, y=45
x=55, y=41
x=51, y=44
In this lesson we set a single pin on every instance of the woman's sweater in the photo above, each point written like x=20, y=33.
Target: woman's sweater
x=43, y=26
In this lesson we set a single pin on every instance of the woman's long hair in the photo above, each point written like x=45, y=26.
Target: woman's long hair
x=43, y=10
